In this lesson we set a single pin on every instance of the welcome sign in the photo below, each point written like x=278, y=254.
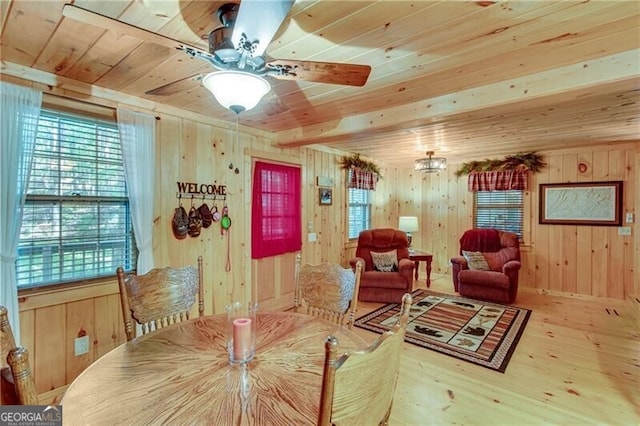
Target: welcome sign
x=201, y=188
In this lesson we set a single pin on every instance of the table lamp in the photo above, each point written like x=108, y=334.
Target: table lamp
x=408, y=224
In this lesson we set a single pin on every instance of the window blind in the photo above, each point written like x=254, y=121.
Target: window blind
x=499, y=210
x=76, y=222
x=359, y=211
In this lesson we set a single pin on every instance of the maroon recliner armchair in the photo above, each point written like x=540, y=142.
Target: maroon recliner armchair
x=381, y=285
x=496, y=276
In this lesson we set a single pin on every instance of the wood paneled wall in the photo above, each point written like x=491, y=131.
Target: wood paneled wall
x=195, y=152
x=51, y=320
x=190, y=150
x=586, y=260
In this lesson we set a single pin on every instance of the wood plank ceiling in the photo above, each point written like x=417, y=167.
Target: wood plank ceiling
x=466, y=79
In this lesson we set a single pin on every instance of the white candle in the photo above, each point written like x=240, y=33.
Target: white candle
x=241, y=338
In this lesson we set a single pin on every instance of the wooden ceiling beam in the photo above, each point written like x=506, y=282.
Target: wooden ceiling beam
x=572, y=80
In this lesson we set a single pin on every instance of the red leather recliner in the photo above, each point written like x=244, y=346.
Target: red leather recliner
x=378, y=286
x=501, y=251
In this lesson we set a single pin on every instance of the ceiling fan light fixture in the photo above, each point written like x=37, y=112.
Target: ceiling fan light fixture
x=431, y=164
x=236, y=90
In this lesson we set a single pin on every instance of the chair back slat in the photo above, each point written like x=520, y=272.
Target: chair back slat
x=358, y=387
x=161, y=297
x=327, y=291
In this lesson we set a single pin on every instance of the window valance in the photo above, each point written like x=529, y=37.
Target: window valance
x=501, y=180
x=362, y=179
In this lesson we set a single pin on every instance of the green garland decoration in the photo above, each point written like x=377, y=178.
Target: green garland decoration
x=531, y=161
x=355, y=161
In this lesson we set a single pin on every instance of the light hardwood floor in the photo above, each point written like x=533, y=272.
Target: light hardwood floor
x=577, y=363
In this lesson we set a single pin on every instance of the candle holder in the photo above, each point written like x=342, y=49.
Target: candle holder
x=241, y=331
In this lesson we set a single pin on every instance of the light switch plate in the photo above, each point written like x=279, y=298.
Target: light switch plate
x=629, y=218
x=624, y=230
x=312, y=237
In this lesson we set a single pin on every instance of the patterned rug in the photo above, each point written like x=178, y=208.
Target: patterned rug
x=483, y=333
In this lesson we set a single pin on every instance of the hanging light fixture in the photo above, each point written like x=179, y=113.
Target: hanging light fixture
x=236, y=90
x=431, y=164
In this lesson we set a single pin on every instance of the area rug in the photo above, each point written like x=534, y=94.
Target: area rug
x=483, y=333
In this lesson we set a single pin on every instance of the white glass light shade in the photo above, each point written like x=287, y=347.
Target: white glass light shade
x=236, y=90
x=408, y=223
x=431, y=164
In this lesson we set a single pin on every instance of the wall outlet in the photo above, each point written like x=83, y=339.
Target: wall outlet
x=629, y=218
x=624, y=230
x=82, y=345
x=312, y=237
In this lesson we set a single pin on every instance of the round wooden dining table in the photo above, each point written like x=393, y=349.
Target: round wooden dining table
x=181, y=375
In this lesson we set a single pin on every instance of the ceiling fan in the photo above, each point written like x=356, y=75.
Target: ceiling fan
x=237, y=53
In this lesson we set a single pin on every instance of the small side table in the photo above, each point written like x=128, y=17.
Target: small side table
x=418, y=256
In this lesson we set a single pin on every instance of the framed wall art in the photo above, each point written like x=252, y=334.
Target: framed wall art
x=325, y=196
x=581, y=203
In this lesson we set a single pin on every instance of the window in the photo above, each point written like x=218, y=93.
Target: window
x=76, y=223
x=359, y=211
x=275, y=210
x=499, y=209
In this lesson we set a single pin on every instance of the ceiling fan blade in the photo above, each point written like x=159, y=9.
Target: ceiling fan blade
x=260, y=20
x=177, y=86
x=321, y=72
x=102, y=21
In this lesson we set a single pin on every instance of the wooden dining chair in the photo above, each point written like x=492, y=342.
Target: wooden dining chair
x=327, y=290
x=8, y=394
x=16, y=380
x=161, y=297
x=25, y=387
x=358, y=387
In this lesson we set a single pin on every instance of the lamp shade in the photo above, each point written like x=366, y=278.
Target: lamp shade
x=408, y=223
x=236, y=90
x=431, y=164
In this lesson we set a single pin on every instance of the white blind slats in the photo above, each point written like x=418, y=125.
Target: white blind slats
x=359, y=211
x=499, y=210
x=76, y=223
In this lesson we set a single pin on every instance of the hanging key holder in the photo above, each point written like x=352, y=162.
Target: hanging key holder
x=225, y=221
x=225, y=224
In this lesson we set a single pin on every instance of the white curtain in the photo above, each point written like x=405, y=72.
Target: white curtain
x=137, y=136
x=19, y=113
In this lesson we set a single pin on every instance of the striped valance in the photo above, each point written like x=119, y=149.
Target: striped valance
x=503, y=180
x=362, y=179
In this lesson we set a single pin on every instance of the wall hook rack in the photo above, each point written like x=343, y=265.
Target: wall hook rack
x=202, y=197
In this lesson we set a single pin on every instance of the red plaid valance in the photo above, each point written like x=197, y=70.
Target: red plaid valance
x=362, y=179
x=503, y=180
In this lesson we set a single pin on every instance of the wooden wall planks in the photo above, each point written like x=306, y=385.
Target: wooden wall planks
x=576, y=259
x=585, y=260
x=50, y=322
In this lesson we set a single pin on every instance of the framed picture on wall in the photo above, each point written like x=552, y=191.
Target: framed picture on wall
x=581, y=203
x=325, y=196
